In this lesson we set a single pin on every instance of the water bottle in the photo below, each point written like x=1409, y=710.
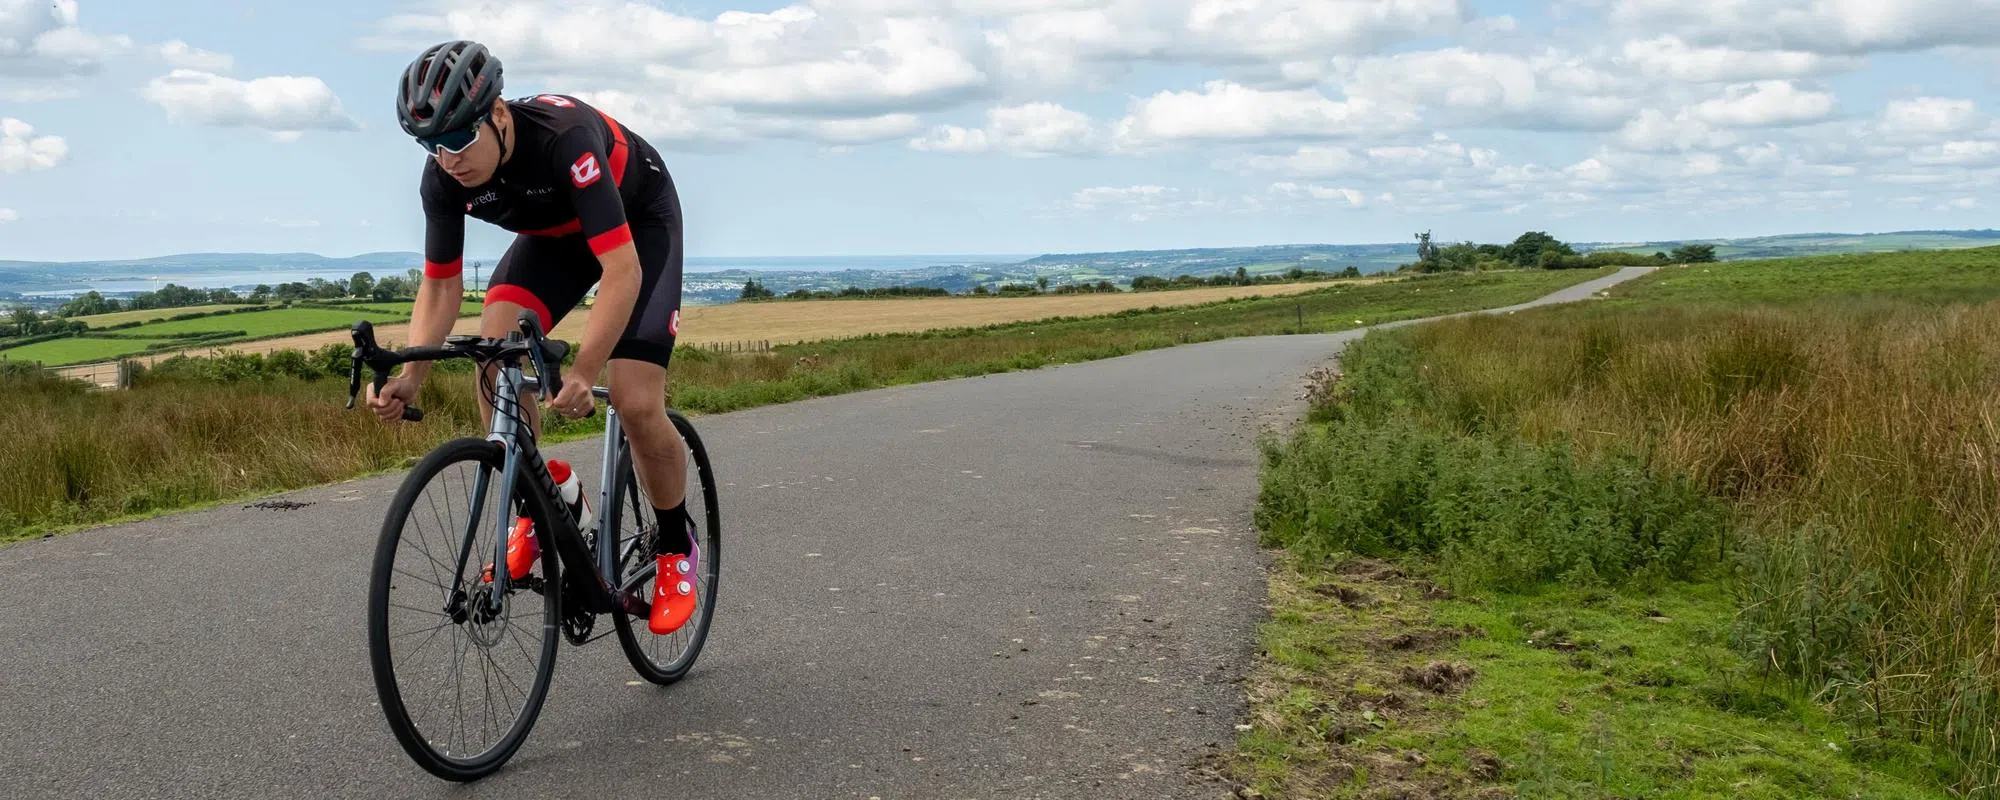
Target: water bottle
x=570, y=485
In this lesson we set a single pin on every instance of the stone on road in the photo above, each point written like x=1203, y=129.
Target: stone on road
x=1034, y=584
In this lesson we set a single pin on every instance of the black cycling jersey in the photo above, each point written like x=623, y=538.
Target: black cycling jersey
x=573, y=170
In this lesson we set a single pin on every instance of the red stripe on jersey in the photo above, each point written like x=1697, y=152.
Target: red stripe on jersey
x=610, y=240
x=618, y=149
x=509, y=293
x=565, y=229
x=434, y=269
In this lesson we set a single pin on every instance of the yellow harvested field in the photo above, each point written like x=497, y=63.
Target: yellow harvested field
x=783, y=322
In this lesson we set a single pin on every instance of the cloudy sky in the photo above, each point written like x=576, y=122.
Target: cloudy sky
x=826, y=127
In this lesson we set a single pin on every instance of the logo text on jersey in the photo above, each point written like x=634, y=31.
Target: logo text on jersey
x=562, y=102
x=674, y=323
x=584, y=172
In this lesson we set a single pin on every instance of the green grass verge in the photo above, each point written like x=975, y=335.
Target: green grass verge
x=196, y=429
x=1377, y=683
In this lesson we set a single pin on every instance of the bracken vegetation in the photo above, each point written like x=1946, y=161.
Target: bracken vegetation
x=1818, y=436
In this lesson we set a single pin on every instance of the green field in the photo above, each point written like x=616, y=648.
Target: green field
x=146, y=315
x=254, y=324
x=77, y=350
x=1730, y=533
x=469, y=308
x=269, y=323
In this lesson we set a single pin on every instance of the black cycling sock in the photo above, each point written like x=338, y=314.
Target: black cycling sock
x=672, y=536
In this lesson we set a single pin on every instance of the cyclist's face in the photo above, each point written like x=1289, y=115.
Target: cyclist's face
x=478, y=162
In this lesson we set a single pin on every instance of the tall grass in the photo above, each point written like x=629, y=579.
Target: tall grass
x=1855, y=438
x=198, y=430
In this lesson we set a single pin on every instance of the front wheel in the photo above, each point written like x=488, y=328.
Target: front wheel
x=666, y=659
x=461, y=671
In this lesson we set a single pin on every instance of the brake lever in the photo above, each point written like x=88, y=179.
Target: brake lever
x=365, y=351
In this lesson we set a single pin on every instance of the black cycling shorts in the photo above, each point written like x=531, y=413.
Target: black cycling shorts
x=551, y=274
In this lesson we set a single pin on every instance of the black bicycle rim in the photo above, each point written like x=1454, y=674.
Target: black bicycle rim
x=643, y=647
x=472, y=642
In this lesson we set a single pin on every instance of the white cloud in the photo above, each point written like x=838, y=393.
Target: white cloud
x=1764, y=104
x=1352, y=197
x=179, y=54
x=1553, y=90
x=1032, y=129
x=1672, y=58
x=795, y=60
x=1929, y=116
x=281, y=104
x=41, y=38
x=670, y=124
x=1824, y=26
x=1962, y=153
x=906, y=65
x=1070, y=43
x=1653, y=131
x=1143, y=202
x=8, y=215
x=21, y=150
x=1224, y=110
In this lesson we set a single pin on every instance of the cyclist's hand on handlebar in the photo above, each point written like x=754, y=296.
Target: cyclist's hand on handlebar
x=575, y=399
x=400, y=391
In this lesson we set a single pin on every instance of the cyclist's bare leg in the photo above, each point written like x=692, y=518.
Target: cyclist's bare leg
x=499, y=318
x=659, y=455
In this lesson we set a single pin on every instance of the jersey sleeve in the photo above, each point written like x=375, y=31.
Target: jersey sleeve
x=444, y=230
x=582, y=159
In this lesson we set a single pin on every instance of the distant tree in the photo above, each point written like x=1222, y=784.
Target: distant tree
x=1351, y=272
x=1427, y=253
x=25, y=321
x=1527, y=250
x=1041, y=283
x=222, y=295
x=261, y=294
x=1106, y=286
x=1694, y=254
x=1242, y=276
x=753, y=290
x=392, y=287
x=88, y=303
x=362, y=284
x=1662, y=257
x=980, y=289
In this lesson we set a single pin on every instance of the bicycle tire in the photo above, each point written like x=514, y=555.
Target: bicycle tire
x=710, y=533
x=487, y=454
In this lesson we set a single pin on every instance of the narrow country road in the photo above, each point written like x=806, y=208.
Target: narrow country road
x=1027, y=585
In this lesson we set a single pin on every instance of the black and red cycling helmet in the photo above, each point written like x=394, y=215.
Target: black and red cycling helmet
x=448, y=88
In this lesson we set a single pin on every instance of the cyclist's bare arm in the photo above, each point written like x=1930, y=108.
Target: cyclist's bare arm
x=438, y=301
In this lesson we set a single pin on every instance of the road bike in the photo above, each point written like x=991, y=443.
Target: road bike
x=473, y=614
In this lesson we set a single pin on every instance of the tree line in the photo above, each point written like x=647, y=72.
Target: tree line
x=360, y=285
x=1537, y=249
x=756, y=290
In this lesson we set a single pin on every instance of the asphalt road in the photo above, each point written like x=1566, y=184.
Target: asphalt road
x=1037, y=584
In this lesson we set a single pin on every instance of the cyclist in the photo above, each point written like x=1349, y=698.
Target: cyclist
x=588, y=199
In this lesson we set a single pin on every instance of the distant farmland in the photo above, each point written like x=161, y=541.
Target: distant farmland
x=789, y=321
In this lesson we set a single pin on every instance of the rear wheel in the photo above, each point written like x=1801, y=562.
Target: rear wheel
x=460, y=683
x=666, y=659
